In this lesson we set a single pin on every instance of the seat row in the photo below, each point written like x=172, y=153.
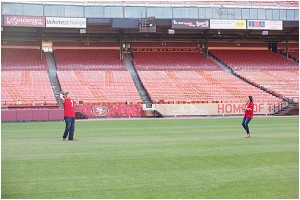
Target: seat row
x=99, y=86
x=26, y=88
x=240, y=60
x=22, y=59
x=211, y=86
x=167, y=76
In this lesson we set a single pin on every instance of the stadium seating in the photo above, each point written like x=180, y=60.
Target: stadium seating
x=282, y=83
x=254, y=60
x=22, y=59
x=168, y=79
x=294, y=55
x=173, y=61
x=95, y=76
x=26, y=88
x=99, y=86
x=24, y=78
x=91, y=59
x=199, y=87
x=264, y=68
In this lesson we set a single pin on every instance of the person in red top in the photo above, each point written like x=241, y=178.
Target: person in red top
x=69, y=116
x=248, y=114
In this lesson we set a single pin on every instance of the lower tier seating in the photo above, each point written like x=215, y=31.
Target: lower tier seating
x=200, y=86
x=26, y=88
x=283, y=83
x=99, y=86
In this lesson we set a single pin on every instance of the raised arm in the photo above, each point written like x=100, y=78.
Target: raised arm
x=62, y=96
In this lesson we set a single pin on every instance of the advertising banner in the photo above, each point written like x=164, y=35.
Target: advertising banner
x=24, y=21
x=227, y=24
x=59, y=22
x=96, y=111
x=264, y=24
x=190, y=23
x=215, y=109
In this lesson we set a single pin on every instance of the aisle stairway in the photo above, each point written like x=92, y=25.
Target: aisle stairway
x=53, y=77
x=136, y=79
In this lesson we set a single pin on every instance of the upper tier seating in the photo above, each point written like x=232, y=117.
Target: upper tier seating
x=173, y=61
x=26, y=88
x=90, y=59
x=254, y=60
x=22, y=59
x=294, y=55
x=99, y=86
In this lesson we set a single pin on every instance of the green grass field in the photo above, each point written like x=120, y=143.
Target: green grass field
x=173, y=158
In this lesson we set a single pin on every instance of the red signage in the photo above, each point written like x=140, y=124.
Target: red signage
x=24, y=21
x=100, y=110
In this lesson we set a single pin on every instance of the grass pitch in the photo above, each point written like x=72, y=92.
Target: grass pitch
x=178, y=158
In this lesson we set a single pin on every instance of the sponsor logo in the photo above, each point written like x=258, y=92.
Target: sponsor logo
x=190, y=23
x=24, y=21
x=66, y=22
x=257, y=24
x=100, y=110
x=202, y=24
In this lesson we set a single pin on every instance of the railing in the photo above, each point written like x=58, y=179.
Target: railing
x=280, y=106
x=31, y=103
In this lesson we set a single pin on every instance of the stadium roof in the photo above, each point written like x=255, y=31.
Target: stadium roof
x=103, y=31
x=261, y=4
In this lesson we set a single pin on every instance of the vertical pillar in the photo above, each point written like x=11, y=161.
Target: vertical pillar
x=121, y=46
x=41, y=46
x=286, y=48
x=206, y=48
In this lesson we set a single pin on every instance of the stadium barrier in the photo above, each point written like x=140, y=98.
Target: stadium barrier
x=111, y=110
x=11, y=115
x=137, y=110
x=216, y=109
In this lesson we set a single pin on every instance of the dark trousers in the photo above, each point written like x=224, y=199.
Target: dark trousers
x=245, y=123
x=70, y=128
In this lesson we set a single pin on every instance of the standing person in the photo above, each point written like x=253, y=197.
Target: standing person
x=248, y=114
x=69, y=116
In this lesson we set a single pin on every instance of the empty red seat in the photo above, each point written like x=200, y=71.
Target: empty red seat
x=22, y=59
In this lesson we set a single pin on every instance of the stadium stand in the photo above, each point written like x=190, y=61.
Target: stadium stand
x=90, y=59
x=173, y=61
x=204, y=82
x=294, y=55
x=95, y=76
x=26, y=88
x=281, y=83
x=265, y=69
x=24, y=78
x=27, y=59
x=254, y=60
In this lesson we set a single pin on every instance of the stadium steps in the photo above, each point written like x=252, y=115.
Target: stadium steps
x=53, y=77
x=220, y=63
x=290, y=57
x=136, y=79
x=291, y=109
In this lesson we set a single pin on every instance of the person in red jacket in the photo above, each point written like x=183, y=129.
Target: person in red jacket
x=69, y=116
x=248, y=114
